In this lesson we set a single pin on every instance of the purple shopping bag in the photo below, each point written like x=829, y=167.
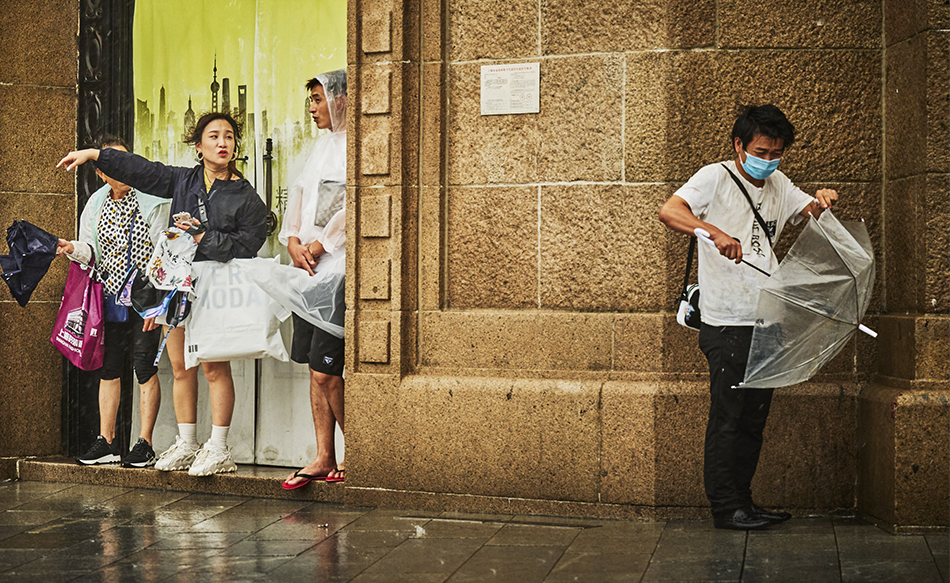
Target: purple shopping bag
x=78, y=331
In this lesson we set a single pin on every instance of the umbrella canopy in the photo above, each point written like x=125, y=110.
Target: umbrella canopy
x=813, y=304
x=31, y=251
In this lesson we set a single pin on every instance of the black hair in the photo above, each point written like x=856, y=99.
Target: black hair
x=313, y=83
x=194, y=136
x=763, y=120
x=109, y=140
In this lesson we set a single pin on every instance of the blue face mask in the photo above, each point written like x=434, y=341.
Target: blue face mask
x=758, y=168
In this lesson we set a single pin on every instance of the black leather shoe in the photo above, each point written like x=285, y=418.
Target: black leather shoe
x=741, y=520
x=773, y=517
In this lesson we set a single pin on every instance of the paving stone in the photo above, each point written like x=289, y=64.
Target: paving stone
x=392, y=520
x=11, y=558
x=11, y=531
x=28, y=517
x=604, y=567
x=714, y=545
x=328, y=563
x=234, y=523
x=269, y=548
x=15, y=494
x=887, y=571
x=521, y=534
x=449, y=528
x=634, y=539
x=892, y=548
x=816, y=526
x=689, y=569
x=427, y=556
x=525, y=564
x=63, y=564
x=231, y=569
x=200, y=540
x=770, y=544
x=791, y=566
x=399, y=578
x=295, y=528
x=27, y=540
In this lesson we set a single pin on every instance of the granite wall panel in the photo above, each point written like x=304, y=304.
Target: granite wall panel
x=38, y=49
x=517, y=436
x=595, y=250
x=575, y=136
x=680, y=106
x=38, y=125
x=492, y=247
x=572, y=27
x=492, y=29
x=30, y=379
x=510, y=341
x=805, y=24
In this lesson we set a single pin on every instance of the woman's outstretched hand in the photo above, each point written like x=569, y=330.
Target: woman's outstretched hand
x=64, y=246
x=79, y=158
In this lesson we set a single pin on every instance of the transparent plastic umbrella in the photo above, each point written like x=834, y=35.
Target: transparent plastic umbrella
x=813, y=304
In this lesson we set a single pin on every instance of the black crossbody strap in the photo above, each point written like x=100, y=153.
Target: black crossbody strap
x=689, y=266
x=758, y=217
x=203, y=214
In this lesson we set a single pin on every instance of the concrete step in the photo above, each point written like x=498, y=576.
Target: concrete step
x=255, y=481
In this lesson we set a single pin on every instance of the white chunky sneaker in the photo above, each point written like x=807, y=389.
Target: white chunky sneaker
x=178, y=457
x=212, y=460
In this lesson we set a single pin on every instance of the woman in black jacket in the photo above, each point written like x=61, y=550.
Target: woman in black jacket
x=228, y=221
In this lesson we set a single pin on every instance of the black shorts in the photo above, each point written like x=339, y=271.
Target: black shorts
x=122, y=338
x=323, y=351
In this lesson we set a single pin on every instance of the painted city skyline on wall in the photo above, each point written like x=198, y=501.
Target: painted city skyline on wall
x=250, y=58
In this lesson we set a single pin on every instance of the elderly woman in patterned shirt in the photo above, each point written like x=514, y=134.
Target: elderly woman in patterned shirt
x=117, y=230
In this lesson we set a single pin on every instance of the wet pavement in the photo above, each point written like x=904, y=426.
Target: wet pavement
x=53, y=532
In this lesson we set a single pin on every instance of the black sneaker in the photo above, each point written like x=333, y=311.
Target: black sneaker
x=101, y=452
x=141, y=456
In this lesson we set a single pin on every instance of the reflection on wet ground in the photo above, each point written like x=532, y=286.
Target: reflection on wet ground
x=53, y=532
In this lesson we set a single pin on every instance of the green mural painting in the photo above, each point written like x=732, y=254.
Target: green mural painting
x=251, y=58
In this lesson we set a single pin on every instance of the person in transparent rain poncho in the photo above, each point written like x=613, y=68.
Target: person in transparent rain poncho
x=713, y=201
x=314, y=230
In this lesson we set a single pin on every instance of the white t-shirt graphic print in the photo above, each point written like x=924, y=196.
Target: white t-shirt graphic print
x=730, y=292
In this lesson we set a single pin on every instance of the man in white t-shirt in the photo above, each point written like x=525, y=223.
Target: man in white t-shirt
x=714, y=201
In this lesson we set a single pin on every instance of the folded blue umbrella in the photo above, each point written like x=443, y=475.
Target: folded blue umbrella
x=31, y=251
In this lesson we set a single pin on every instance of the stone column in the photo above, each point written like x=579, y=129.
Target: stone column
x=903, y=423
x=38, y=75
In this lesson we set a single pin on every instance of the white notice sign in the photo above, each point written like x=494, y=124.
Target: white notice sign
x=511, y=89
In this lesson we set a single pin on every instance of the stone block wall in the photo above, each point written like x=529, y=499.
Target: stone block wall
x=38, y=75
x=512, y=344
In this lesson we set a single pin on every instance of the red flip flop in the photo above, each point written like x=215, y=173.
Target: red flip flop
x=336, y=479
x=307, y=479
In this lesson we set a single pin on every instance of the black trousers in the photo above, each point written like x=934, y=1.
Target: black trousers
x=736, y=419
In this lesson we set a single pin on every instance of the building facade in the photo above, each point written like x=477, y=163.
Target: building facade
x=511, y=341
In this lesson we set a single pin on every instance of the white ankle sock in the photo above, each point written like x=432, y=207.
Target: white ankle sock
x=189, y=433
x=219, y=436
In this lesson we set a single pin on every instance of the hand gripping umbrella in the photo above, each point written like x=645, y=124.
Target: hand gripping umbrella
x=31, y=251
x=813, y=304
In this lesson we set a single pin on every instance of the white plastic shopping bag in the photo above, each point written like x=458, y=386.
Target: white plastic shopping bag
x=231, y=318
x=318, y=299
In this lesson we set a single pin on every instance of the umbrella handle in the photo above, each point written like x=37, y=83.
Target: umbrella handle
x=703, y=235
x=867, y=330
